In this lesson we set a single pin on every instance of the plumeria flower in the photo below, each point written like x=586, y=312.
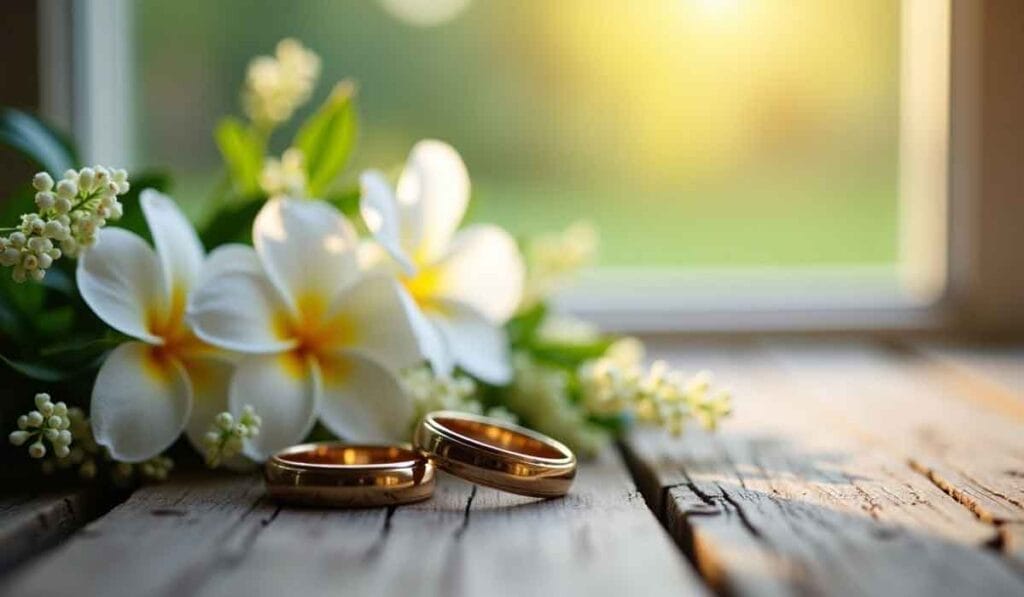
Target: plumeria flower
x=166, y=380
x=318, y=336
x=467, y=283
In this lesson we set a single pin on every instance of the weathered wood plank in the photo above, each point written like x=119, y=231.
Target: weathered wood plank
x=218, y=536
x=971, y=449
x=994, y=373
x=32, y=521
x=788, y=498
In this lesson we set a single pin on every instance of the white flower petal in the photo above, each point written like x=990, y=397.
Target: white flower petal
x=476, y=344
x=307, y=248
x=284, y=390
x=432, y=193
x=239, y=309
x=378, y=313
x=432, y=344
x=231, y=257
x=210, y=379
x=120, y=279
x=177, y=244
x=379, y=210
x=363, y=401
x=483, y=269
x=140, y=402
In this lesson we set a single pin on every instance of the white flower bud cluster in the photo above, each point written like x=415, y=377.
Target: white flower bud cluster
x=618, y=383
x=553, y=260
x=430, y=392
x=225, y=437
x=276, y=85
x=286, y=176
x=48, y=423
x=540, y=395
x=70, y=213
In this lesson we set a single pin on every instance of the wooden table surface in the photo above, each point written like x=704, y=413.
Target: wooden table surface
x=849, y=468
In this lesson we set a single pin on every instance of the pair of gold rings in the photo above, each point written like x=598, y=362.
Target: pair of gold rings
x=479, y=449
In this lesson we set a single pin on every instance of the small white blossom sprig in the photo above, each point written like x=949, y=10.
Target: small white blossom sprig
x=225, y=437
x=48, y=423
x=552, y=260
x=70, y=213
x=540, y=394
x=430, y=392
x=285, y=176
x=618, y=383
x=276, y=85
x=154, y=470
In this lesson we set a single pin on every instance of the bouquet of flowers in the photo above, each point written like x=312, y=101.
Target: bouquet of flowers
x=302, y=307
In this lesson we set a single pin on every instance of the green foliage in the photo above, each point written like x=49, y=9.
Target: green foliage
x=242, y=149
x=37, y=141
x=231, y=223
x=328, y=137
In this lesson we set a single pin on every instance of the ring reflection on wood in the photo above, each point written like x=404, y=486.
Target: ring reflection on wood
x=349, y=476
x=497, y=454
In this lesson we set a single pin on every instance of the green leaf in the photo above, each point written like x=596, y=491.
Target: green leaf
x=38, y=371
x=328, y=137
x=37, y=141
x=523, y=327
x=347, y=202
x=242, y=149
x=231, y=223
x=570, y=355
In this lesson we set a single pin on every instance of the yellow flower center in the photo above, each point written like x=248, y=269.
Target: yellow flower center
x=424, y=287
x=316, y=330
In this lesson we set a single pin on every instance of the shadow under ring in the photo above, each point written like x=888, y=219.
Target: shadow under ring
x=343, y=475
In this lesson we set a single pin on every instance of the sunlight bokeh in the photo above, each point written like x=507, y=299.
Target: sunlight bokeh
x=691, y=132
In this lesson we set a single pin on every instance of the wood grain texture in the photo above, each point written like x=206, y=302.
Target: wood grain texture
x=791, y=498
x=210, y=535
x=32, y=521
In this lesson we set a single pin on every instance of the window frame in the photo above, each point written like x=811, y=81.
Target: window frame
x=958, y=205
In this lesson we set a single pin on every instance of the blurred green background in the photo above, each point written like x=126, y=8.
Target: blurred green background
x=691, y=132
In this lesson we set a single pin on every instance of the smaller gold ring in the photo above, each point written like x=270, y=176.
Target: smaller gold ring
x=349, y=476
x=497, y=454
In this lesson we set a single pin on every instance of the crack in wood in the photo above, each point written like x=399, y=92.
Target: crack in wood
x=465, y=514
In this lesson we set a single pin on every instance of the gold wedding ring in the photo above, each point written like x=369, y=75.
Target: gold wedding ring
x=349, y=476
x=496, y=454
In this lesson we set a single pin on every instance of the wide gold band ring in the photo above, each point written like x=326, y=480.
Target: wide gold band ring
x=497, y=454
x=349, y=476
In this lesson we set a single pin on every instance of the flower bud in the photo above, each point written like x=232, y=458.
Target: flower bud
x=64, y=437
x=37, y=450
x=10, y=256
x=18, y=239
x=87, y=179
x=51, y=434
x=67, y=189
x=22, y=422
x=18, y=274
x=71, y=174
x=30, y=262
x=61, y=451
x=37, y=274
x=45, y=200
x=42, y=181
x=35, y=418
x=60, y=409
x=56, y=230
x=19, y=437
x=54, y=422
x=225, y=421
x=45, y=261
x=62, y=205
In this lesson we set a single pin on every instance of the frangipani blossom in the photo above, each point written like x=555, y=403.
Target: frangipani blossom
x=467, y=283
x=167, y=380
x=319, y=337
